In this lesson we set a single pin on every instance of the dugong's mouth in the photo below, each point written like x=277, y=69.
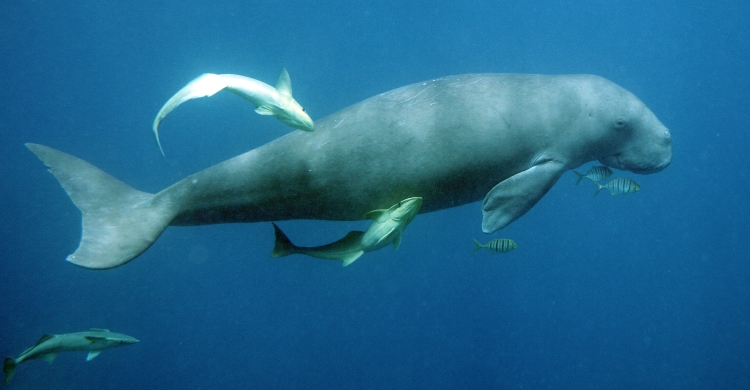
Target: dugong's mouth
x=619, y=162
x=644, y=171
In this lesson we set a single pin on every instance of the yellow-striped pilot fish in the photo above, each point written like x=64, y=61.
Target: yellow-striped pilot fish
x=595, y=174
x=498, y=245
x=619, y=186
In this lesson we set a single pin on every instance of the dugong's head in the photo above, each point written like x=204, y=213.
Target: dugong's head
x=634, y=139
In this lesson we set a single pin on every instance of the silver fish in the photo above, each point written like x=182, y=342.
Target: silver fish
x=498, y=245
x=595, y=174
x=619, y=186
x=93, y=341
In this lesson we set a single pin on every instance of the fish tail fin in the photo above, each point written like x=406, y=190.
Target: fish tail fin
x=580, y=177
x=9, y=367
x=478, y=244
x=598, y=189
x=119, y=222
x=283, y=246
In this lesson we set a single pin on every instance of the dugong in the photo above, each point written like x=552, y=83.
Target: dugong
x=501, y=138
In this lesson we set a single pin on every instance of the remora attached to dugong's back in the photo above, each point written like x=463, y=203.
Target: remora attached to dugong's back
x=94, y=341
x=503, y=138
x=267, y=100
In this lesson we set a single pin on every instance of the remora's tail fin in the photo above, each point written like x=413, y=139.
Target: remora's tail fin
x=283, y=245
x=205, y=85
x=119, y=222
x=9, y=368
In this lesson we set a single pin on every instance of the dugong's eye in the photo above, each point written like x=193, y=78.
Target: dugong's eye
x=620, y=123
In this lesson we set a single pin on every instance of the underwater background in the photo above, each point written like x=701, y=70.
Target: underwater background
x=649, y=291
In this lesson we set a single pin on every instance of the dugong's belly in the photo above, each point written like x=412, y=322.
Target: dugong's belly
x=448, y=141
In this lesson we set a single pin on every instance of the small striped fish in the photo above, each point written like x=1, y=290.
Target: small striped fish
x=498, y=245
x=595, y=174
x=619, y=186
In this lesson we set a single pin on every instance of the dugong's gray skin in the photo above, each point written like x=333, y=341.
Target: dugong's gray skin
x=503, y=138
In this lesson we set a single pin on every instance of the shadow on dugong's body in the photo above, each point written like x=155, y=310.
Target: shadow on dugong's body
x=503, y=138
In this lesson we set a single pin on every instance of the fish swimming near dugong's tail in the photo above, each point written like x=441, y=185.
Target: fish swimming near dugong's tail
x=268, y=100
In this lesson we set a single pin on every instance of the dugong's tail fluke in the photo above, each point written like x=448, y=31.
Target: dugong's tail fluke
x=119, y=222
x=8, y=368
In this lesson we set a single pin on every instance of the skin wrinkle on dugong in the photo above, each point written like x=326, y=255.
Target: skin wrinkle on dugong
x=501, y=138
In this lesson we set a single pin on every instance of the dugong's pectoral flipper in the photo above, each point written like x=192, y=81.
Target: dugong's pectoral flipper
x=119, y=222
x=516, y=195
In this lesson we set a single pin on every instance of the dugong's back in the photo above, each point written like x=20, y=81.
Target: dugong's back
x=448, y=140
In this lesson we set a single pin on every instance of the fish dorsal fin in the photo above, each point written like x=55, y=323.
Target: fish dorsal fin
x=50, y=357
x=516, y=195
x=284, y=83
x=44, y=338
x=92, y=355
x=99, y=330
x=381, y=215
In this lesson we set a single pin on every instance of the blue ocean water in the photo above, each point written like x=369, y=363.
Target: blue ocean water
x=650, y=290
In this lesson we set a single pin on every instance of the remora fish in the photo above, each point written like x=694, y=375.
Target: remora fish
x=267, y=99
x=619, y=186
x=498, y=245
x=388, y=226
x=595, y=174
x=47, y=348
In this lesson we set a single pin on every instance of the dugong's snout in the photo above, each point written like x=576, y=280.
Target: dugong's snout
x=660, y=153
x=645, y=155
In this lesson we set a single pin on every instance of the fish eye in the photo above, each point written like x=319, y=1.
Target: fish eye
x=303, y=109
